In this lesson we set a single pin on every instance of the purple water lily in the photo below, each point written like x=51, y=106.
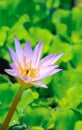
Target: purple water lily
x=27, y=66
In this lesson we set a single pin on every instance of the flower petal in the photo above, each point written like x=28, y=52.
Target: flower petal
x=37, y=54
x=40, y=84
x=47, y=74
x=58, y=56
x=55, y=71
x=10, y=72
x=27, y=80
x=19, y=50
x=14, y=67
x=51, y=59
x=48, y=60
x=46, y=69
x=28, y=51
x=13, y=55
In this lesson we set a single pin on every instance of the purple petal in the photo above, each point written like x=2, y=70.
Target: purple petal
x=13, y=55
x=18, y=47
x=47, y=74
x=28, y=50
x=55, y=71
x=45, y=69
x=40, y=84
x=58, y=56
x=37, y=54
x=51, y=59
x=10, y=72
x=48, y=60
x=27, y=80
x=14, y=67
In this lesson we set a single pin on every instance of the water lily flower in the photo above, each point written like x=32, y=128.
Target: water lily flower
x=29, y=70
x=27, y=66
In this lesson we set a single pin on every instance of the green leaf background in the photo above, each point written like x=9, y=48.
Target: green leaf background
x=59, y=24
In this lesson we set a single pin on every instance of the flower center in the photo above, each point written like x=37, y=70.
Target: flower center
x=27, y=71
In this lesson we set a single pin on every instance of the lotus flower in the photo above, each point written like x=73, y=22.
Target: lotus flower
x=27, y=66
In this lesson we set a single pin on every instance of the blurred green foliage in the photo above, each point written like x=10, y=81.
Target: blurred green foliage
x=59, y=24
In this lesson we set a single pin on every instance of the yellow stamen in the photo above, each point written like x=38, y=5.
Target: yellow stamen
x=27, y=71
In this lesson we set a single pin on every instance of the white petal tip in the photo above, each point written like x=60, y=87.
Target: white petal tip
x=61, y=54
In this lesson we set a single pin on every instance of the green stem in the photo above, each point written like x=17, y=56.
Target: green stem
x=12, y=109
